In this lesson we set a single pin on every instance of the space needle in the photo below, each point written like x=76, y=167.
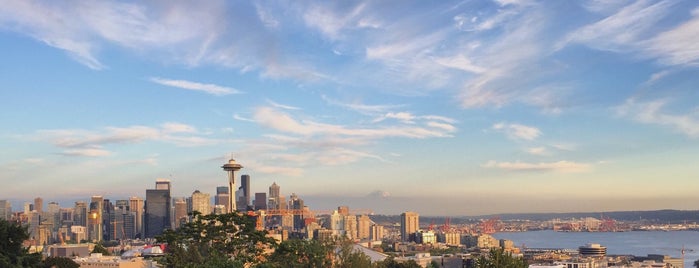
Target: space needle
x=231, y=167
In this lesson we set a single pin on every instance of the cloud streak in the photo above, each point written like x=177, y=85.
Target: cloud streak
x=517, y=131
x=189, y=85
x=79, y=142
x=652, y=112
x=560, y=166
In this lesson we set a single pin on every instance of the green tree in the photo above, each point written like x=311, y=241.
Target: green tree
x=60, y=262
x=498, y=258
x=12, y=252
x=99, y=248
x=434, y=264
x=301, y=253
x=216, y=240
x=346, y=256
x=391, y=262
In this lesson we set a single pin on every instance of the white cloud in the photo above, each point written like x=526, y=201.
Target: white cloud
x=241, y=118
x=79, y=142
x=460, y=62
x=360, y=107
x=678, y=46
x=331, y=22
x=90, y=152
x=537, y=151
x=178, y=128
x=282, y=106
x=207, y=88
x=285, y=123
x=651, y=112
x=517, y=131
x=623, y=30
x=633, y=29
x=560, y=166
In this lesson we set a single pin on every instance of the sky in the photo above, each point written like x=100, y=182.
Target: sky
x=440, y=107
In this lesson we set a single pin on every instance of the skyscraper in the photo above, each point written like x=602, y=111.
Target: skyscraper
x=274, y=190
x=244, y=200
x=80, y=215
x=260, y=201
x=39, y=204
x=137, y=206
x=94, y=230
x=157, y=214
x=108, y=223
x=363, y=227
x=296, y=204
x=409, y=224
x=201, y=202
x=180, y=211
x=5, y=210
x=222, y=195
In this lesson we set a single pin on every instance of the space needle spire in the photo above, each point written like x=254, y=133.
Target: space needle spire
x=231, y=167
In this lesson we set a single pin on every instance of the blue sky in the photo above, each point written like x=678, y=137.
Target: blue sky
x=445, y=108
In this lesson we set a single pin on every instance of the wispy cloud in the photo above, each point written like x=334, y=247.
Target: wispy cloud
x=517, y=131
x=189, y=85
x=241, y=118
x=678, y=46
x=89, y=152
x=623, y=29
x=80, y=142
x=361, y=107
x=633, y=28
x=537, y=151
x=560, y=166
x=652, y=112
x=282, y=106
x=283, y=122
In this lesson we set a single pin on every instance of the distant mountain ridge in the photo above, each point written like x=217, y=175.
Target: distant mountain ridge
x=659, y=216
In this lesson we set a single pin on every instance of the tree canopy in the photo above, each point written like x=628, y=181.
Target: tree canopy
x=12, y=252
x=498, y=258
x=216, y=240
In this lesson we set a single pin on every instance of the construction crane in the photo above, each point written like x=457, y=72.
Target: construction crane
x=682, y=251
x=490, y=226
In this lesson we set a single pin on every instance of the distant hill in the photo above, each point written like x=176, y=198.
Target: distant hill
x=659, y=216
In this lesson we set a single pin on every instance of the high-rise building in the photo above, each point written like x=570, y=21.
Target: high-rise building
x=222, y=196
x=244, y=199
x=337, y=223
x=260, y=201
x=201, y=202
x=343, y=210
x=39, y=204
x=409, y=224
x=107, y=220
x=94, y=230
x=28, y=207
x=157, y=214
x=364, y=227
x=137, y=206
x=297, y=205
x=5, y=210
x=122, y=224
x=351, y=226
x=181, y=210
x=80, y=214
x=231, y=167
x=274, y=194
x=376, y=232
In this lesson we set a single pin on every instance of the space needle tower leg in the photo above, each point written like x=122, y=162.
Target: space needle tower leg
x=231, y=167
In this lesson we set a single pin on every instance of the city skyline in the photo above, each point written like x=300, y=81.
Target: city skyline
x=449, y=108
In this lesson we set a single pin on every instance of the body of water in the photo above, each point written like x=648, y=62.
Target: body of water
x=637, y=243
